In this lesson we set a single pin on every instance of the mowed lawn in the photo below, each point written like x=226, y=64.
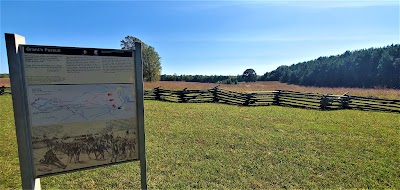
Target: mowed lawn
x=223, y=146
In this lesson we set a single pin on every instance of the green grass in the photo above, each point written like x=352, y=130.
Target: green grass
x=223, y=146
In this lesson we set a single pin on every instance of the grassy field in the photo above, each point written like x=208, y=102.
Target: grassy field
x=223, y=146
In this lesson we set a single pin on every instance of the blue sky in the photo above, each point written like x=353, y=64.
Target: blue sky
x=209, y=37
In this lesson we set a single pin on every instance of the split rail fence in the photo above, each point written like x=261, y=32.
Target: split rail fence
x=277, y=97
x=266, y=98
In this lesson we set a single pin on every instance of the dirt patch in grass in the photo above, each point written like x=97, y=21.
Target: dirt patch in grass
x=5, y=82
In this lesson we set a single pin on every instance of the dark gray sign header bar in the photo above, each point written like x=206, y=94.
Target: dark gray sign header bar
x=76, y=51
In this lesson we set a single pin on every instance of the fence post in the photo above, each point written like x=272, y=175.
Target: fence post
x=157, y=93
x=248, y=99
x=182, y=95
x=2, y=90
x=276, y=97
x=215, y=94
x=325, y=102
x=246, y=103
x=344, y=101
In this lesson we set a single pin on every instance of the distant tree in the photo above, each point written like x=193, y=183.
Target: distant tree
x=250, y=75
x=151, y=59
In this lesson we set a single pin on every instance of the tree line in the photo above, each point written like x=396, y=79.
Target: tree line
x=220, y=79
x=249, y=75
x=365, y=68
x=4, y=75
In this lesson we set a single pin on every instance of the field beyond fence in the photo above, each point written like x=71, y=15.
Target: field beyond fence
x=278, y=97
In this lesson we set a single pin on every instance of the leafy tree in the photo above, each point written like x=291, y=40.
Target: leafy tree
x=151, y=59
x=250, y=75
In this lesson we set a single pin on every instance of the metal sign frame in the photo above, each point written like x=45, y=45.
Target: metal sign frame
x=22, y=118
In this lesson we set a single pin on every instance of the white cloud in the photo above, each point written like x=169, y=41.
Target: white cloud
x=203, y=5
x=340, y=3
x=269, y=38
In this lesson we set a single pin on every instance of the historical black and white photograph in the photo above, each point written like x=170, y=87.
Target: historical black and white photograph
x=60, y=148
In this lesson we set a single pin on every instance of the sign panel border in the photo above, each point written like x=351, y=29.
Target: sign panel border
x=138, y=99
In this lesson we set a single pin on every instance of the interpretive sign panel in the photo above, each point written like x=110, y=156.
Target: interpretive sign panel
x=81, y=105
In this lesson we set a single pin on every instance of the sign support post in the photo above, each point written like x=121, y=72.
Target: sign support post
x=140, y=113
x=20, y=112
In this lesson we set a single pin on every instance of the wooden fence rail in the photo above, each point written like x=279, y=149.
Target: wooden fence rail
x=5, y=90
x=278, y=97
